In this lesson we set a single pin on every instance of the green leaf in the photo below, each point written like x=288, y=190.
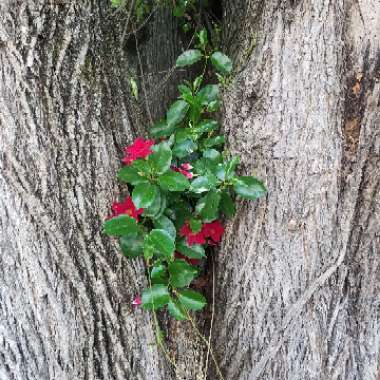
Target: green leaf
x=161, y=129
x=191, y=299
x=208, y=206
x=164, y=223
x=221, y=62
x=195, y=251
x=177, y=112
x=184, y=148
x=231, y=166
x=189, y=57
x=207, y=94
x=206, y=126
x=131, y=175
x=158, y=275
x=131, y=245
x=142, y=166
x=249, y=187
x=154, y=210
x=197, y=82
x=155, y=297
x=195, y=225
x=144, y=194
x=213, y=155
x=160, y=243
x=134, y=88
x=203, y=183
x=177, y=310
x=161, y=158
x=202, y=36
x=120, y=225
x=173, y=181
x=227, y=205
x=214, y=141
x=181, y=273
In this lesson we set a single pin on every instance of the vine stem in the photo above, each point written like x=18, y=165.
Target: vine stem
x=207, y=344
x=212, y=319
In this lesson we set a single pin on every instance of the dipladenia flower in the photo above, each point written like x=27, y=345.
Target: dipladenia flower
x=137, y=301
x=213, y=230
x=139, y=149
x=126, y=207
x=186, y=166
x=191, y=237
x=186, y=173
x=179, y=255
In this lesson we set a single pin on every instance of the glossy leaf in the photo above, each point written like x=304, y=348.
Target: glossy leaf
x=195, y=251
x=164, y=223
x=208, y=206
x=191, y=299
x=181, y=273
x=177, y=310
x=189, y=57
x=221, y=62
x=207, y=94
x=120, y=225
x=161, y=129
x=173, y=181
x=203, y=183
x=155, y=297
x=131, y=245
x=249, y=187
x=227, y=205
x=177, y=112
x=130, y=174
x=161, y=158
x=159, y=275
x=144, y=194
x=159, y=243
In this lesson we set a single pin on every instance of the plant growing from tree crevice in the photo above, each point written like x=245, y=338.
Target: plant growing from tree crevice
x=182, y=183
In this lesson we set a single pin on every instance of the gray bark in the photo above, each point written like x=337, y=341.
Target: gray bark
x=297, y=276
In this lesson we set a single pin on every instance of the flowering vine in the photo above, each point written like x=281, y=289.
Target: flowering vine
x=182, y=184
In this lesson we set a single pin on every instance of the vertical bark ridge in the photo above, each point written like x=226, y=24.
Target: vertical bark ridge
x=65, y=292
x=287, y=278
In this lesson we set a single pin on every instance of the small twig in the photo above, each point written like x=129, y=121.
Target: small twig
x=207, y=344
x=212, y=319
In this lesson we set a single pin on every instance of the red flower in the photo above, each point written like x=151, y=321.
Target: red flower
x=139, y=149
x=191, y=237
x=126, y=207
x=213, y=230
x=137, y=301
x=186, y=166
x=178, y=255
x=186, y=173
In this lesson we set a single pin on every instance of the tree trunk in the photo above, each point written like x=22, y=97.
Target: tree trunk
x=296, y=279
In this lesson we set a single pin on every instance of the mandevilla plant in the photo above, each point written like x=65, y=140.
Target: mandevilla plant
x=181, y=184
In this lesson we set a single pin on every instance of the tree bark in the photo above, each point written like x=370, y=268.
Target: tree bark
x=297, y=276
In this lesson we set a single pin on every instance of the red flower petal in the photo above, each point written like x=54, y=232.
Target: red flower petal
x=137, y=301
x=191, y=237
x=127, y=207
x=139, y=149
x=213, y=230
x=186, y=166
x=187, y=174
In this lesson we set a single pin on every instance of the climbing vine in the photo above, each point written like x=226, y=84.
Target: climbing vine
x=182, y=184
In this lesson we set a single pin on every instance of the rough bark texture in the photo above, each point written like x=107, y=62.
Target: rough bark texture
x=297, y=276
x=300, y=270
